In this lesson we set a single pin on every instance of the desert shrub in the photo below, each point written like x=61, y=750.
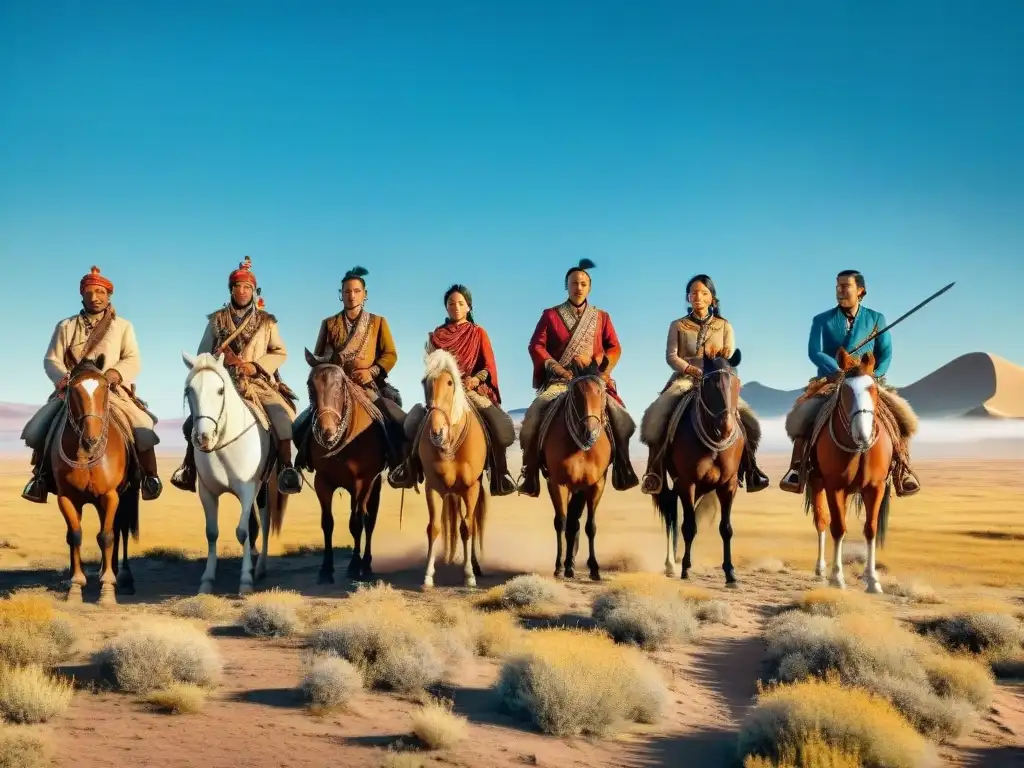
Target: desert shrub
x=29, y=694
x=500, y=633
x=914, y=592
x=571, y=682
x=649, y=622
x=203, y=607
x=178, y=699
x=977, y=632
x=713, y=612
x=960, y=678
x=526, y=595
x=437, y=727
x=156, y=654
x=273, y=613
x=835, y=602
x=823, y=723
x=22, y=748
x=32, y=632
x=329, y=683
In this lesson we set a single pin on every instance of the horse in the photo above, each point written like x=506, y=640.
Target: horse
x=703, y=457
x=346, y=451
x=452, y=449
x=577, y=451
x=233, y=455
x=853, y=455
x=90, y=464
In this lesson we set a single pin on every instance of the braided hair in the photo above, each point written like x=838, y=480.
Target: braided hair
x=461, y=289
x=707, y=282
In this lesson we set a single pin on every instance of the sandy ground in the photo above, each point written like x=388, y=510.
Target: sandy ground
x=962, y=534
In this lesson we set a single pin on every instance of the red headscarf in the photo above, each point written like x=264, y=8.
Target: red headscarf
x=244, y=274
x=95, y=278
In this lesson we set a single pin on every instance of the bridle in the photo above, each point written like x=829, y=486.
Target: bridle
x=729, y=410
x=95, y=455
x=447, y=448
x=846, y=420
x=343, y=416
x=218, y=422
x=576, y=421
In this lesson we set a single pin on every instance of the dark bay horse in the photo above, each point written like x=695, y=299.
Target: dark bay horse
x=852, y=457
x=704, y=457
x=346, y=450
x=577, y=454
x=90, y=463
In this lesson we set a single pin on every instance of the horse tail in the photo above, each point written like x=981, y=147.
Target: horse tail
x=450, y=526
x=278, y=505
x=883, y=515
x=126, y=520
x=401, y=509
x=577, y=502
x=707, y=509
x=667, y=505
x=479, y=523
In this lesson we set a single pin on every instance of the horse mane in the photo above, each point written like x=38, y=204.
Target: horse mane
x=205, y=362
x=441, y=361
x=87, y=364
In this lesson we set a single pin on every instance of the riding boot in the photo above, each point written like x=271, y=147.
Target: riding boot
x=184, y=477
x=151, y=485
x=906, y=483
x=623, y=475
x=654, y=476
x=791, y=481
x=502, y=483
x=289, y=480
x=530, y=484
x=756, y=480
x=35, y=490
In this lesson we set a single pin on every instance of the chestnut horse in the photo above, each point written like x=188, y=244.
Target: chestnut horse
x=577, y=453
x=452, y=449
x=346, y=450
x=90, y=465
x=703, y=457
x=852, y=457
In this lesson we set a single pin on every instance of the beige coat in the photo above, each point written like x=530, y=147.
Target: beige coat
x=681, y=346
x=259, y=343
x=120, y=352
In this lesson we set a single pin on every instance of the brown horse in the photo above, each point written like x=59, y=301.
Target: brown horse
x=577, y=453
x=704, y=457
x=852, y=455
x=452, y=449
x=346, y=450
x=90, y=464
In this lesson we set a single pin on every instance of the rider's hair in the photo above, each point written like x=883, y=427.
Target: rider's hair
x=356, y=273
x=715, y=308
x=460, y=288
x=858, y=278
x=581, y=266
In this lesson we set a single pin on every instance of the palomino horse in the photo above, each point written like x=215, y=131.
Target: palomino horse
x=577, y=453
x=852, y=457
x=452, y=448
x=233, y=455
x=90, y=464
x=703, y=457
x=346, y=451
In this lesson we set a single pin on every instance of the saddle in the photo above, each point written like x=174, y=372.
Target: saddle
x=545, y=425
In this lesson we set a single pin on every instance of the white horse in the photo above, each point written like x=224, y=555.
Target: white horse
x=232, y=455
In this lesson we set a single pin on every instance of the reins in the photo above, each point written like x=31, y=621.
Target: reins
x=94, y=456
x=696, y=416
x=575, y=421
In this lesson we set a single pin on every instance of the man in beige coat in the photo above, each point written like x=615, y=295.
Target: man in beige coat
x=253, y=352
x=95, y=331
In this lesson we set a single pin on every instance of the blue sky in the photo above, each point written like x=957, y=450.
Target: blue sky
x=768, y=144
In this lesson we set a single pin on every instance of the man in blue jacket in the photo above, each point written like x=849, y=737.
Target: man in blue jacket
x=846, y=326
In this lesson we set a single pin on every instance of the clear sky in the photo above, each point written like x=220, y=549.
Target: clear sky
x=768, y=144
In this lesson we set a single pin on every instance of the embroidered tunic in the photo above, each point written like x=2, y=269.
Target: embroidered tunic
x=470, y=345
x=833, y=330
x=364, y=343
x=561, y=335
x=690, y=340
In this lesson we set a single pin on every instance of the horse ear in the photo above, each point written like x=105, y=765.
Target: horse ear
x=310, y=358
x=220, y=359
x=867, y=362
x=190, y=362
x=734, y=361
x=100, y=360
x=844, y=360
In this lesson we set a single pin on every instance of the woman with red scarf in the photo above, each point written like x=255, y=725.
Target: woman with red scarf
x=470, y=345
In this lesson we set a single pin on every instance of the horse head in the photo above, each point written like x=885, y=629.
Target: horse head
x=859, y=397
x=719, y=392
x=444, y=395
x=206, y=390
x=326, y=388
x=88, y=394
x=588, y=398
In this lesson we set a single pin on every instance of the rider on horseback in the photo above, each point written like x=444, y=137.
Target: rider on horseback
x=846, y=326
x=703, y=333
x=567, y=339
x=470, y=345
x=97, y=330
x=253, y=352
x=361, y=343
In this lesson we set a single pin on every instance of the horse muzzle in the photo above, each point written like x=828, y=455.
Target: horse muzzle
x=205, y=441
x=438, y=437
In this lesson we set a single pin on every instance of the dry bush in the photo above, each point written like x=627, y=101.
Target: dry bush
x=827, y=601
x=960, y=678
x=990, y=633
x=500, y=634
x=914, y=592
x=649, y=622
x=571, y=682
x=396, y=759
x=178, y=699
x=329, y=683
x=158, y=653
x=32, y=632
x=273, y=613
x=713, y=612
x=21, y=748
x=875, y=653
x=437, y=727
x=822, y=723
x=31, y=695
x=526, y=595
x=204, y=607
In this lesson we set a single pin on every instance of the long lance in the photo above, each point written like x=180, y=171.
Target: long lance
x=901, y=318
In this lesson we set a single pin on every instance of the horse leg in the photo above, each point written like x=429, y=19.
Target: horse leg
x=72, y=516
x=872, y=495
x=371, y=506
x=469, y=501
x=355, y=527
x=210, y=504
x=435, y=506
x=837, y=510
x=125, y=579
x=573, y=515
x=559, y=500
x=325, y=495
x=820, y=524
x=687, y=497
x=726, y=496
x=247, y=498
x=594, y=494
x=259, y=528
x=107, y=511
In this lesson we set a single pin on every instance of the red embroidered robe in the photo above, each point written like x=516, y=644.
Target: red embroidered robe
x=470, y=345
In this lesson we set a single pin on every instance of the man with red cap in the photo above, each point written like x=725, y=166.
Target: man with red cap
x=97, y=332
x=253, y=352
x=567, y=339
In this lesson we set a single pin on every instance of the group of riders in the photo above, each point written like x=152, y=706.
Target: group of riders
x=570, y=338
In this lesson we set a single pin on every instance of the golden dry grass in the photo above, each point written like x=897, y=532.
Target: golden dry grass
x=529, y=596
x=500, y=634
x=30, y=694
x=22, y=748
x=32, y=631
x=274, y=613
x=437, y=727
x=178, y=699
x=210, y=608
x=329, y=683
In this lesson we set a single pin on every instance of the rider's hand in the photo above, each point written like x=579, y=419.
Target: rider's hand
x=561, y=372
x=246, y=369
x=113, y=377
x=694, y=371
x=471, y=382
x=362, y=376
x=63, y=383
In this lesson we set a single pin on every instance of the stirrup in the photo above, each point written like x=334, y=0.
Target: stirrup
x=791, y=482
x=651, y=484
x=181, y=478
x=151, y=488
x=289, y=480
x=35, y=491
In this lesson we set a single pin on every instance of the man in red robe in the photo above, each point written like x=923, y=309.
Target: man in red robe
x=568, y=338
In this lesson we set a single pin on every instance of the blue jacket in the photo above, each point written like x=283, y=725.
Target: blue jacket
x=828, y=334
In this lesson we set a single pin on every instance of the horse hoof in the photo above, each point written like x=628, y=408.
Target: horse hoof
x=428, y=585
x=684, y=575
x=107, y=597
x=126, y=589
x=325, y=578
x=245, y=589
x=206, y=588
x=595, y=576
x=670, y=571
x=470, y=583
x=837, y=583
x=875, y=588
x=570, y=573
x=732, y=583
x=366, y=574
x=74, y=593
